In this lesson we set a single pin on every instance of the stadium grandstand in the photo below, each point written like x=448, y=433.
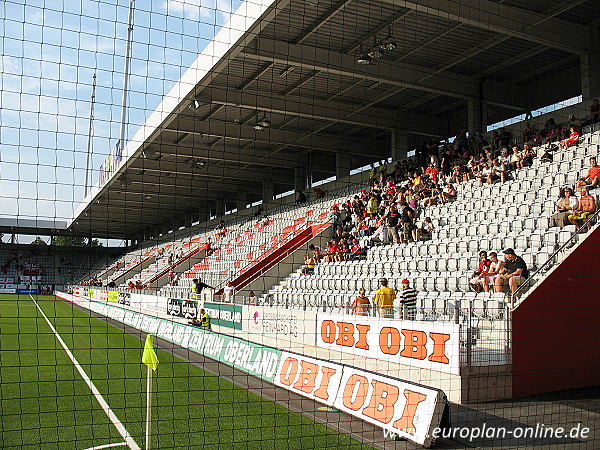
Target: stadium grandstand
x=343, y=223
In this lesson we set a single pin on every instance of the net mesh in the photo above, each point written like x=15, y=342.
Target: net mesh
x=342, y=223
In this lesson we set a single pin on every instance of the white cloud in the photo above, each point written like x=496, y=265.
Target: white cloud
x=10, y=64
x=200, y=9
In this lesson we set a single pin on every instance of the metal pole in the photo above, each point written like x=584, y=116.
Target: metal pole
x=90, y=131
x=126, y=75
x=148, y=407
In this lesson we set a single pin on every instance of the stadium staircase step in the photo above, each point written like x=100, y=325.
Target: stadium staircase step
x=262, y=265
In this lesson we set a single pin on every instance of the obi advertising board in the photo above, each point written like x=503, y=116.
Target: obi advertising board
x=409, y=410
x=428, y=345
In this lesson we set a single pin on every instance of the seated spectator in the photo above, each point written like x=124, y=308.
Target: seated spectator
x=356, y=251
x=251, y=299
x=587, y=207
x=573, y=139
x=344, y=251
x=317, y=252
x=505, y=137
x=554, y=134
x=319, y=193
x=592, y=179
x=476, y=280
x=301, y=198
x=515, y=272
x=130, y=284
x=258, y=211
x=139, y=285
x=528, y=155
x=565, y=206
x=111, y=284
x=448, y=194
x=486, y=173
x=332, y=251
x=528, y=132
x=496, y=266
x=595, y=111
x=500, y=170
x=431, y=196
x=516, y=159
x=426, y=229
x=361, y=306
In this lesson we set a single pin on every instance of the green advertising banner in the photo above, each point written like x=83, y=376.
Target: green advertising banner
x=225, y=314
x=113, y=297
x=90, y=293
x=254, y=359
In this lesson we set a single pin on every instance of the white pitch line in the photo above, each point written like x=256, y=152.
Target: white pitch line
x=111, y=415
x=116, y=444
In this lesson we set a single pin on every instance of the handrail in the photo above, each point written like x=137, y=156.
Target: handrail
x=549, y=262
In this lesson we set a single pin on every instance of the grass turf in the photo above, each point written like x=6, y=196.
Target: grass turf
x=44, y=403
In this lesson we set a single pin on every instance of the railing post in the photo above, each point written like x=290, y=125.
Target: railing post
x=469, y=334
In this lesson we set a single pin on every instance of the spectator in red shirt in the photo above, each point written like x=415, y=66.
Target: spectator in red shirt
x=131, y=285
x=593, y=177
x=433, y=173
x=478, y=278
x=571, y=140
x=356, y=252
x=332, y=251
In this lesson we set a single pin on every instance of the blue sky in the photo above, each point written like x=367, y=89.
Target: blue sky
x=49, y=51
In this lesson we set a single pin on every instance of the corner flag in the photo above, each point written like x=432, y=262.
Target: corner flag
x=149, y=357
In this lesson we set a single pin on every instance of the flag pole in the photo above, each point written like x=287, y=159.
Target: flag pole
x=151, y=360
x=148, y=406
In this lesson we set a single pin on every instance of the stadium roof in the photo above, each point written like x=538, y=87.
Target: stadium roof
x=300, y=69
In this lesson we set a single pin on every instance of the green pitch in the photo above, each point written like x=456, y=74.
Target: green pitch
x=46, y=404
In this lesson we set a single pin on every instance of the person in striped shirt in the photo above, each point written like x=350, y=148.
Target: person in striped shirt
x=408, y=297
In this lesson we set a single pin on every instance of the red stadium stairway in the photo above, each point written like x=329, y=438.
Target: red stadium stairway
x=260, y=267
x=184, y=263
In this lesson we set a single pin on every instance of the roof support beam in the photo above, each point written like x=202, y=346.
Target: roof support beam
x=374, y=32
x=396, y=74
x=507, y=20
x=270, y=136
x=225, y=154
x=335, y=9
x=301, y=107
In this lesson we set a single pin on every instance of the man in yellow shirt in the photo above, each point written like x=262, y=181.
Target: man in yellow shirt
x=384, y=299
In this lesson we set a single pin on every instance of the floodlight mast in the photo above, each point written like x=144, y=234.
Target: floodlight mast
x=90, y=133
x=126, y=74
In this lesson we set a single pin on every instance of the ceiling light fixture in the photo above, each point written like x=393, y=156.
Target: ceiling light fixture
x=197, y=103
x=377, y=51
x=262, y=123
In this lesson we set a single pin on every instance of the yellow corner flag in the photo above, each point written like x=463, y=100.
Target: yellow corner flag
x=149, y=357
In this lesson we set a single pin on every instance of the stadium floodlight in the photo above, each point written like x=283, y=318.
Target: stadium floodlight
x=388, y=46
x=197, y=103
x=262, y=123
x=375, y=53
